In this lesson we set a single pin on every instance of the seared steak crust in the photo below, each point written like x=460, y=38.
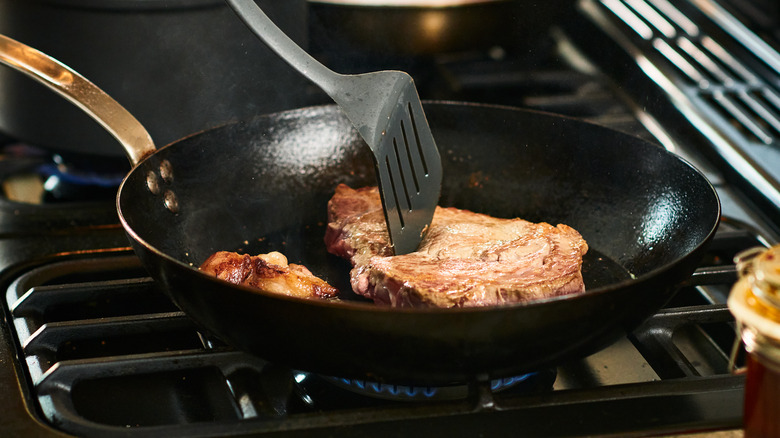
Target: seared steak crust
x=269, y=272
x=466, y=259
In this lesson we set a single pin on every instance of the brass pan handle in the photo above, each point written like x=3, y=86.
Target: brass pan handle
x=81, y=92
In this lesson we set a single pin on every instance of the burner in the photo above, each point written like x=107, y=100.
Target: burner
x=80, y=180
x=35, y=176
x=316, y=390
x=416, y=393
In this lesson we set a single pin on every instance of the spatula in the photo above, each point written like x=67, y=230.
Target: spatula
x=386, y=110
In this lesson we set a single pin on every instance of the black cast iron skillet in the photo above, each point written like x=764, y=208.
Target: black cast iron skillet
x=263, y=185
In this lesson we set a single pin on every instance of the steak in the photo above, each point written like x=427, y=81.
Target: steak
x=466, y=259
x=269, y=272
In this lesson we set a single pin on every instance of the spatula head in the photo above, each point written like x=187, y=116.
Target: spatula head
x=385, y=108
x=409, y=172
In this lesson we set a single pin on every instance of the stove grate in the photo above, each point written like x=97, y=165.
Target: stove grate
x=720, y=76
x=132, y=363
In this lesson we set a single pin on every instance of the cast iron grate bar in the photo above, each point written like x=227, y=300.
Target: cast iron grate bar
x=655, y=339
x=39, y=300
x=106, y=396
x=106, y=337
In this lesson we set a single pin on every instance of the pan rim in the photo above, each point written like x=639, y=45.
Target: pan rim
x=371, y=307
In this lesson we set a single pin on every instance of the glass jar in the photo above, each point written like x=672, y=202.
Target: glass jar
x=755, y=303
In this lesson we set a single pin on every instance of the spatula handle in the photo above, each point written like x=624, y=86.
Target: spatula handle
x=283, y=45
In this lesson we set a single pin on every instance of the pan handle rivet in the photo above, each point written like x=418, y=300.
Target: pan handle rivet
x=171, y=203
x=152, y=183
x=166, y=171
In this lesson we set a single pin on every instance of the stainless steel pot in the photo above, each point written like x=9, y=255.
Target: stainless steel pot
x=179, y=66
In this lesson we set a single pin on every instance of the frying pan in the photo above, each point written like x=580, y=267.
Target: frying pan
x=263, y=184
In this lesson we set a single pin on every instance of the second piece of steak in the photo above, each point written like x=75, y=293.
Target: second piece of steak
x=270, y=272
x=466, y=259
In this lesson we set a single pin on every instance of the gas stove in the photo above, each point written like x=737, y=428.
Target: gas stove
x=93, y=348
x=90, y=346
